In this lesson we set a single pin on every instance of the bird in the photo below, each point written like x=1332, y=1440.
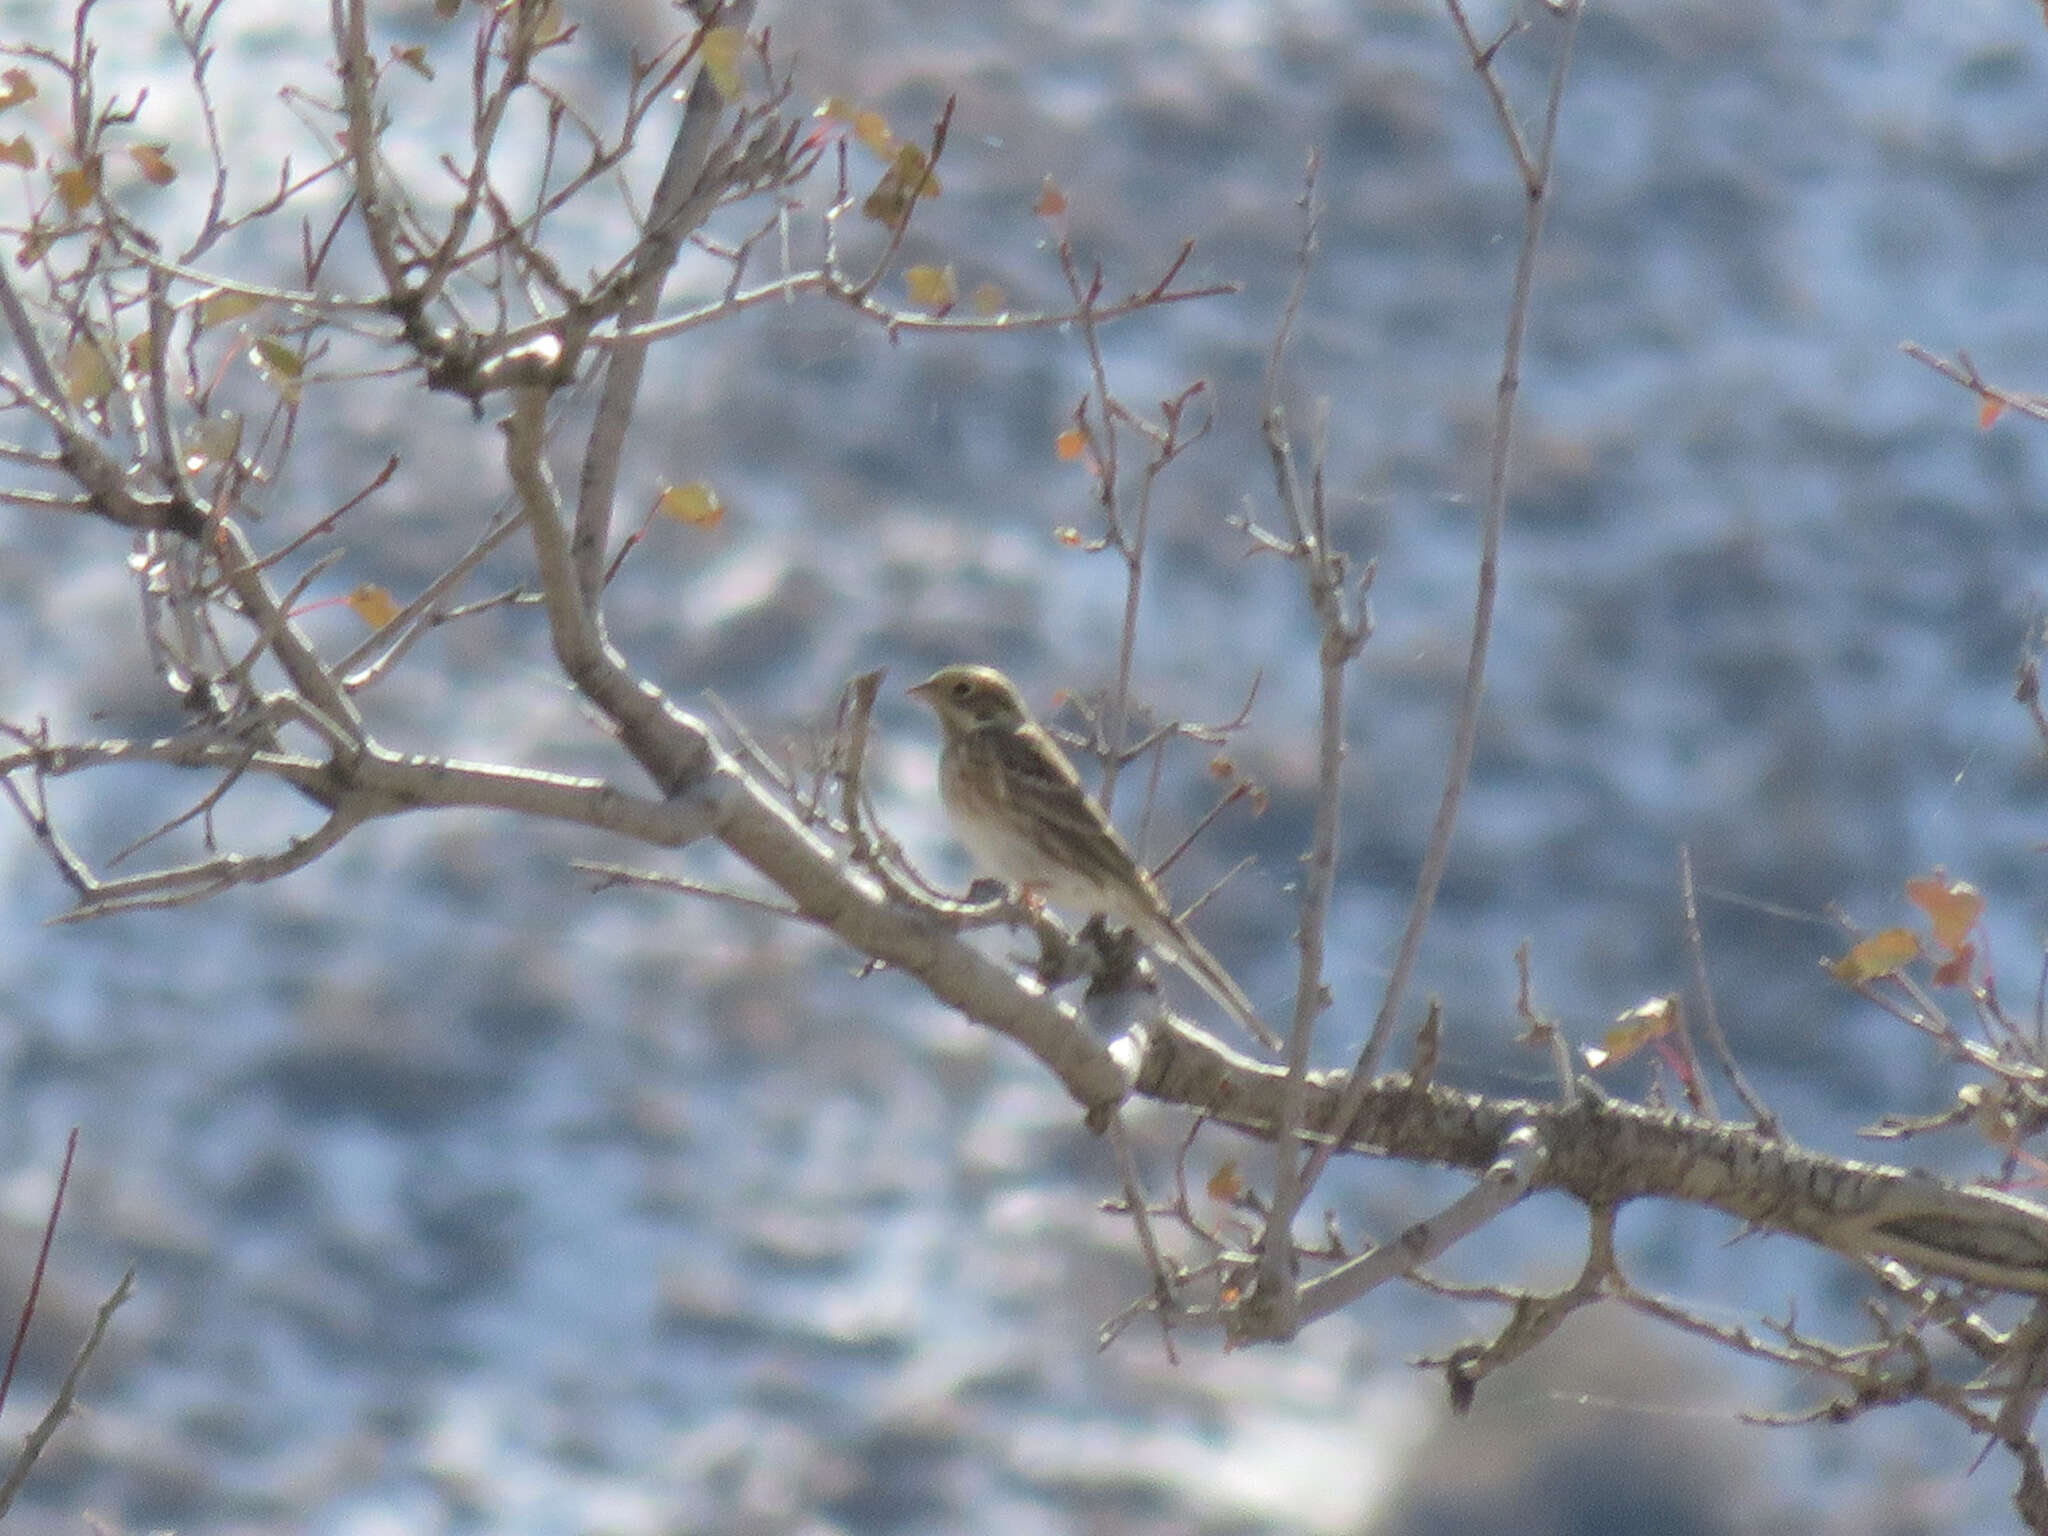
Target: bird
x=1020, y=810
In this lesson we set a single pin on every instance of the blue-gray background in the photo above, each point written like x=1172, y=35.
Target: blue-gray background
x=464, y=1200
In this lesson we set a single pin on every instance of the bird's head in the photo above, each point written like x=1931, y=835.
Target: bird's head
x=966, y=698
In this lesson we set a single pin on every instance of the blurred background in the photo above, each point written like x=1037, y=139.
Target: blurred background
x=466, y=1200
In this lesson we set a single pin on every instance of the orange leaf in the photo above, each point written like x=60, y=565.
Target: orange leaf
x=154, y=161
x=1052, y=202
x=414, y=58
x=1952, y=906
x=1070, y=537
x=695, y=505
x=1955, y=970
x=1881, y=954
x=77, y=187
x=372, y=604
x=1988, y=412
x=1226, y=1183
x=1070, y=445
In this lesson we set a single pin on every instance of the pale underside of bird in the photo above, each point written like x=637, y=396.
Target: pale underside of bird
x=1022, y=813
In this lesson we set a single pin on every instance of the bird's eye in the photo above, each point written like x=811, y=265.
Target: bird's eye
x=963, y=689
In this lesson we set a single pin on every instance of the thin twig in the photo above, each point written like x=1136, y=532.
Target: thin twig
x=1710, y=1015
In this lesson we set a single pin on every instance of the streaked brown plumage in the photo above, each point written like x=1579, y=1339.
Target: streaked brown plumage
x=1020, y=809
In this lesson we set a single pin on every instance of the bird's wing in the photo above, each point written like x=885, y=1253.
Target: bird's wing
x=1038, y=772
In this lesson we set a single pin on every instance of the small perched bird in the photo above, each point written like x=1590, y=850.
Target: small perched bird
x=1019, y=808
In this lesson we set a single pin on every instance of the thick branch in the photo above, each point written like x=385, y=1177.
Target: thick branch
x=1603, y=1153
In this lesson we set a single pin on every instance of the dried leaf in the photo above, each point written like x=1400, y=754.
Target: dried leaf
x=78, y=186
x=1879, y=955
x=722, y=50
x=215, y=440
x=1052, y=202
x=225, y=304
x=18, y=151
x=88, y=376
x=873, y=131
x=553, y=27
x=908, y=178
x=16, y=86
x=414, y=58
x=1952, y=907
x=1646, y=1022
x=932, y=287
x=154, y=161
x=695, y=505
x=283, y=367
x=1226, y=1183
x=1955, y=970
x=373, y=604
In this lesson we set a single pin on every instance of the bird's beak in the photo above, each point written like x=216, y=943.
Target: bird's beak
x=922, y=690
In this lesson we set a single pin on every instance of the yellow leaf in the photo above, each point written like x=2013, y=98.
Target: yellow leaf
x=225, y=304
x=873, y=130
x=835, y=109
x=141, y=353
x=908, y=178
x=373, y=604
x=934, y=288
x=1879, y=955
x=282, y=367
x=989, y=299
x=88, y=377
x=77, y=187
x=215, y=440
x=722, y=48
x=696, y=505
x=414, y=58
x=16, y=86
x=18, y=151
x=1631, y=1031
x=1952, y=906
x=553, y=27
x=154, y=161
